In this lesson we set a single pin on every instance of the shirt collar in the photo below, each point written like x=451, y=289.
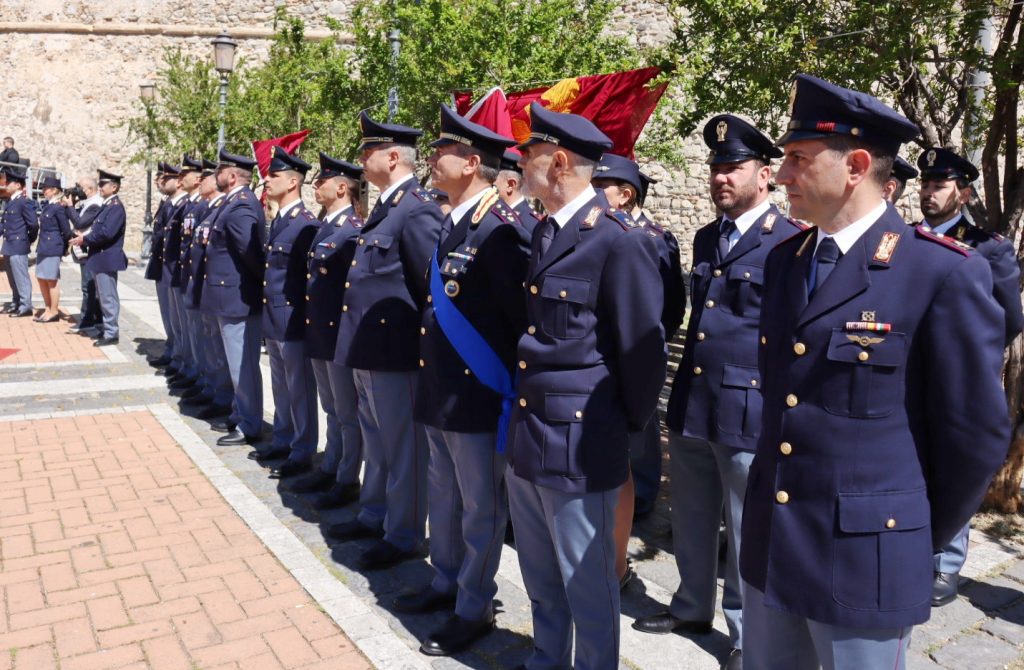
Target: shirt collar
x=943, y=228
x=94, y=199
x=217, y=198
x=517, y=202
x=334, y=216
x=564, y=215
x=236, y=189
x=289, y=207
x=177, y=198
x=195, y=196
x=459, y=212
x=851, y=233
x=394, y=187
x=745, y=220
x=109, y=198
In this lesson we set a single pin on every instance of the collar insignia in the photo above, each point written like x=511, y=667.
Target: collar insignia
x=768, y=224
x=592, y=217
x=886, y=247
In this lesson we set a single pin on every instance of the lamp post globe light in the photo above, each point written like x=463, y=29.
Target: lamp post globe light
x=224, y=63
x=147, y=92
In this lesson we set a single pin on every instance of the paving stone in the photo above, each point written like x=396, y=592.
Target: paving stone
x=917, y=661
x=978, y=651
x=945, y=623
x=1007, y=624
x=993, y=594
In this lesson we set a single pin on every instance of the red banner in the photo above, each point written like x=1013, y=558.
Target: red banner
x=263, y=150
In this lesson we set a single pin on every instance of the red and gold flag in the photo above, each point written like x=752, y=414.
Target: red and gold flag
x=263, y=150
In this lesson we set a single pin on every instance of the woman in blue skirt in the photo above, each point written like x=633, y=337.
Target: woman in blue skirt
x=54, y=233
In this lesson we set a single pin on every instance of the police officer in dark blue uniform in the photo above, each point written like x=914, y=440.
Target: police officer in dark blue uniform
x=20, y=227
x=884, y=416
x=105, y=244
x=591, y=367
x=284, y=318
x=178, y=235
x=337, y=191
x=379, y=339
x=232, y=292
x=464, y=393
x=715, y=405
x=54, y=235
x=509, y=183
x=902, y=172
x=167, y=184
x=945, y=188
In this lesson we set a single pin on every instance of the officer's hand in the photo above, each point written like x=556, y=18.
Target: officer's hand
x=66, y=201
x=78, y=240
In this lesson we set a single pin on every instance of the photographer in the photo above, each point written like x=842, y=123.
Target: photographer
x=83, y=203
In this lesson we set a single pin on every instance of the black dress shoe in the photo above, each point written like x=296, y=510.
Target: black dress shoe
x=289, y=469
x=945, y=588
x=160, y=362
x=270, y=454
x=219, y=425
x=352, y=530
x=7, y=309
x=23, y=313
x=216, y=411
x=235, y=438
x=455, y=635
x=195, y=392
x=196, y=400
x=384, y=555
x=170, y=371
x=421, y=602
x=663, y=623
x=339, y=496
x=735, y=660
x=181, y=384
x=105, y=341
x=316, y=482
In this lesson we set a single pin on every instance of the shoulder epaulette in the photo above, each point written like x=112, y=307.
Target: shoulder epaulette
x=925, y=231
x=504, y=212
x=651, y=225
x=799, y=225
x=621, y=217
x=354, y=220
x=421, y=193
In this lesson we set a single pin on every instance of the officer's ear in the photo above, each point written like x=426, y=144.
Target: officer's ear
x=858, y=162
x=472, y=163
x=560, y=161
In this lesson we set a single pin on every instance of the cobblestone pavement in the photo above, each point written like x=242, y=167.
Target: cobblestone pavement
x=127, y=539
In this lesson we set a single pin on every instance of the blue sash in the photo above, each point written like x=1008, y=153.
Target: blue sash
x=473, y=349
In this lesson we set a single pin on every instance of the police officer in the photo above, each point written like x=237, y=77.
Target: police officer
x=174, y=212
x=232, y=292
x=195, y=209
x=105, y=244
x=54, y=235
x=465, y=395
x=884, y=417
x=379, y=339
x=714, y=409
x=284, y=319
x=591, y=367
x=20, y=228
x=177, y=235
x=902, y=172
x=945, y=188
x=509, y=184
x=337, y=189
x=167, y=184
x=214, y=394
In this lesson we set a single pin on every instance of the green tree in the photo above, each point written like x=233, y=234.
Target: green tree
x=926, y=56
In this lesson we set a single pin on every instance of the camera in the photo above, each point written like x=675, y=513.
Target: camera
x=75, y=193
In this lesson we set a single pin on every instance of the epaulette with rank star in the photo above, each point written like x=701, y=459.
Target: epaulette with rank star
x=505, y=213
x=355, y=221
x=421, y=193
x=622, y=218
x=925, y=231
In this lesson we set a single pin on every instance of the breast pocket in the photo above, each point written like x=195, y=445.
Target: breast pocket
x=745, y=286
x=279, y=254
x=566, y=313
x=377, y=252
x=865, y=374
x=739, y=401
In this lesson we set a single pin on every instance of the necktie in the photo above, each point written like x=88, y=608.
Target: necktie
x=824, y=262
x=547, y=236
x=727, y=229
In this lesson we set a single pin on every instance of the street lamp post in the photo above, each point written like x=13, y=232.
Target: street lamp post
x=224, y=62
x=147, y=92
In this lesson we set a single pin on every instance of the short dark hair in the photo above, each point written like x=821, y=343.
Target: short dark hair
x=881, y=159
x=9, y=139
x=489, y=165
x=963, y=182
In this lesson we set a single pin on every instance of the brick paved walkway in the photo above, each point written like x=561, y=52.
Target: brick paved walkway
x=117, y=552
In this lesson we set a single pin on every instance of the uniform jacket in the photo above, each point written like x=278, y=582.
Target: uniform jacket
x=284, y=279
x=592, y=361
x=54, y=230
x=716, y=394
x=234, y=258
x=380, y=320
x=1002, y=260
x=105, y=239
x=20, y=226
x=884, y=421
x=483, y=261
x=192, y=282
x=154, y=268
x=195, y=211
x=171, y=254
x=330, y=257
x=670, y=268
x=527, y=217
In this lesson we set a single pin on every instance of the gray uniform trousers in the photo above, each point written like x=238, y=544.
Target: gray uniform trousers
x=164, y=301
x=468, y=510
x=194, y=329
x=294, y=388
x=344, y=453
x=179, y=323
x=394, y=491
x=110, y=302
x=241, y=337
x=567, y=555
x=21, y=284
x=777, y=640
x=952, y=557
x=215, y=365
x=705, y=477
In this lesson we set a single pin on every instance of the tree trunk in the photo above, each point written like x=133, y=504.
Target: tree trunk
x=1004, y=494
